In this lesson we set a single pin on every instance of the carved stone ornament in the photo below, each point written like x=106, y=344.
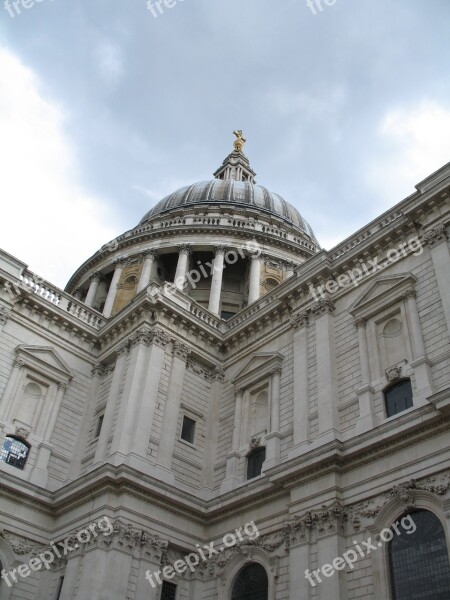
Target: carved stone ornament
x=323, y=307
x=22, y=432
x=22, y=546
x=435, y=236
x=255, y=442
x=394, y=373
x=269, y=543
x=181, y=351
x=299, y=320
x=184, y=249
x=4, y=315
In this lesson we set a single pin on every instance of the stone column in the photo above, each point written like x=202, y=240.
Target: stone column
x=212, y=435
x=299, y=561
x=437, y=241
x=299, y=323
x=420, y=363
x=10, y=390
x=111, y=404
x=365, y=392
x=71, y=576
x=131, y=396
x=105, y=572
x=216, y=283
x=120, y=264
x=255, y=276
x=330, y=547
x=4, y=316
x=326, y=371
x=93, y=287
x=146, y=275
x=171, y=412
x=231, y=475
x=144, y=416
x=182, y=266
x=39, y=475
x=273, y=438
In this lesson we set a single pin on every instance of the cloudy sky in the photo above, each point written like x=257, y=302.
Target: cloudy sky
x=105, y=108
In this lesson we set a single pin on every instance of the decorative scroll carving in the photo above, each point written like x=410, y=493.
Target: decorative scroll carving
x=4, y=315
x=404, y=493
x=323, y=521
x=22, y=546
x=323, y=307
x=394, y=373
x=181, y=351
x=22, y=432
x=270, y=543
x=435, y=236
x=255, y=442
x=299, y=320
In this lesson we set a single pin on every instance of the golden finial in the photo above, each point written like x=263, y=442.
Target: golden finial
x=239, y=143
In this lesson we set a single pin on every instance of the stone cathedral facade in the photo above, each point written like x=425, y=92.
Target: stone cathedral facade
x=212, y=379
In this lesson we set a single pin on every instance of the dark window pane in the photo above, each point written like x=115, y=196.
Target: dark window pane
x=419, y=562
x=251, y=584
x=188, y=430
x=398, y=397
x=169, y=591
x=14, y=452
x=60, y=584
x=99, y=425
x=255, y=462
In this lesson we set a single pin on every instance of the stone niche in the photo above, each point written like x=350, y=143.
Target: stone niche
x=128, y=285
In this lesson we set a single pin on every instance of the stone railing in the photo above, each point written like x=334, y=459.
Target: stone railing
x=205, y=316
x=34, y=284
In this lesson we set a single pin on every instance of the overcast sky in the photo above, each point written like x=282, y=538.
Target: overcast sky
x=105, y=108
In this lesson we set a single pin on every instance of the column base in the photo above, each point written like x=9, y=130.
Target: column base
x=163, y=473
x=229, y=484
x=273, y=454
x=299, y=450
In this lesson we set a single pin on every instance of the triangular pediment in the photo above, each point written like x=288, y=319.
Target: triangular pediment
x=258, y=366
x=382, y=291
x=45, y=358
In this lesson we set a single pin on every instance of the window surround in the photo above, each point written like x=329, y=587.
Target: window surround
x=390, y=513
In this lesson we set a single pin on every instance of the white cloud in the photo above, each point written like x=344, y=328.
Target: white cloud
x=109, y=62
x=415, y=144
x=47, y=219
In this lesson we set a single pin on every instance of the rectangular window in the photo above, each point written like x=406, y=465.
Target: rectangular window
x=169, y=591
x=99, y=425
x=188, y=430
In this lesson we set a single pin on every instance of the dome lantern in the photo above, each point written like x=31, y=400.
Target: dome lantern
x=236, y=166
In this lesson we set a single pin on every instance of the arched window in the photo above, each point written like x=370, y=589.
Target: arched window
x=251, y=584
x=398, y=397
x=419, y=562
x=14, y=452
x=255, y=462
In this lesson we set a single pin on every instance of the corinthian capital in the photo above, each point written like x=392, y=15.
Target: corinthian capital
x=299, y=320
x=181, y=350
x=323, y=307
x=436, y=235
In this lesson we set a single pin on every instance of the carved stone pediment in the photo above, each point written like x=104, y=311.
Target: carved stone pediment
x=258, y=367
x=384, y=291
x=44, y=360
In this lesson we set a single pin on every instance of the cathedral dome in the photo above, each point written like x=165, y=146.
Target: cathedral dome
x=237, y=193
